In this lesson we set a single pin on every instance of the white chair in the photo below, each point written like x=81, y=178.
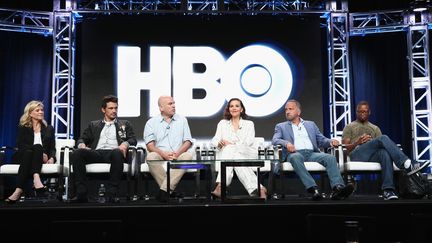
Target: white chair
x=143, y=171
x=57, y=170
x=100, y=168
x=351, y=168
x=311, y=166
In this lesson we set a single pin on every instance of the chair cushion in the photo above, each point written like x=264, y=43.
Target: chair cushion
x=12, y=169
x=9, y=169
x=365, y=166
x=103, y=168
x=310, y=166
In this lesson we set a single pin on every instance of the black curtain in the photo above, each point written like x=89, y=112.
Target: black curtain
x=25, y=74
x=379, y=72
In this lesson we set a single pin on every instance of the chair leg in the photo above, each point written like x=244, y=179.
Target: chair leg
x=282, y=184
x=146, y=188
x=128, y=188
x=2, y=187
x=60, y=187
x=136, y=183
x=197, y=183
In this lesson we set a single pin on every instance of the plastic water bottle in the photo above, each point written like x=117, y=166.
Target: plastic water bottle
x=198, y=153
x=211, y=153
x=270, y=153
x=261, y=153
x=101, y=193
x=204, y=151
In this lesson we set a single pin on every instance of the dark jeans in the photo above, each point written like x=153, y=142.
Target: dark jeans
x=383, y=150
x=30, y=163
x=81, y=157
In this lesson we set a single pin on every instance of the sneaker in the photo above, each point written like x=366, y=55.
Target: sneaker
x=416, y=167
x=390, y=195
x=314, y=193
x=341, y=192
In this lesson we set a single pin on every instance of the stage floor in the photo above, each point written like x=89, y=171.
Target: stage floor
x=365, y=218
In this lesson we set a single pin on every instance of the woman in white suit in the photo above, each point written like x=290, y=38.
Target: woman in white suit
x=234, y=139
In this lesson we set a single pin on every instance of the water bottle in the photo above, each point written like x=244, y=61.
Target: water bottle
x=270, y=153
x=211, y=153
x=204, y=152
x=101, y=193
x=261, y=153
x=198, y=153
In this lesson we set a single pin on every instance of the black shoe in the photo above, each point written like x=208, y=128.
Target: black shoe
x=175, y=194
x=315, y=193
x=114, y=200
x=41, y=192
x=81, y=197
x=79, y=200
x=162, y=196
x=341, y=192
x=11, y=201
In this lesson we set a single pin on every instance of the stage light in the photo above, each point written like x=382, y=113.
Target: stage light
x=420, y=5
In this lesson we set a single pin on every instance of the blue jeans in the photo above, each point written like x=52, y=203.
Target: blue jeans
x=381, y=149
x=298, y=158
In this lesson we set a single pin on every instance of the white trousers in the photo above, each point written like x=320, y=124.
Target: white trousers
x=246, y=175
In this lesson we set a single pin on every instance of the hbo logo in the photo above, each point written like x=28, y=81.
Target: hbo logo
x=257, y=74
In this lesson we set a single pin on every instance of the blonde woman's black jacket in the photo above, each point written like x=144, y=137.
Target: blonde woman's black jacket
x=25, y=140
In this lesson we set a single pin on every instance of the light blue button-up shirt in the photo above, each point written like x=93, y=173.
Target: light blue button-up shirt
x=167, y=136
x=301, y=137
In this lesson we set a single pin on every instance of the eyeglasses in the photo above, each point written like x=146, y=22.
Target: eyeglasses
x=362, y=111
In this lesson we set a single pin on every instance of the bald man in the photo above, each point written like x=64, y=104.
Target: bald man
x=167, y=137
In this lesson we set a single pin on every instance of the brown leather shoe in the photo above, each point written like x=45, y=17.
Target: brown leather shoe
x=217, y=191
x=263, y=192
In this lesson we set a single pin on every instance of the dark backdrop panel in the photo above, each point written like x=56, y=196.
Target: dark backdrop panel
x=380, y=76
x=25, y=74
x=298, y=37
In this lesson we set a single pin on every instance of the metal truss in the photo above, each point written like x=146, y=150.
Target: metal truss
x=420, y=91
x=259, y=5
x=199, y=5
x=380, y=22
x=338, y=71
x=26, y=21
x=63, y=75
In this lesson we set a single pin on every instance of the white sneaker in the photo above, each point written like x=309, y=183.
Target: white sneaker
x=416, y=167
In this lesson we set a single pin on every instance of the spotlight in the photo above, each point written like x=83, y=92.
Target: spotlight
x=420, y=5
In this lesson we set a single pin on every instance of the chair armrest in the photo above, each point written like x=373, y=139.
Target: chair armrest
x=279, y=152
x=341, y=154
x=140, y=156
x=62, y=154
x=130, y=154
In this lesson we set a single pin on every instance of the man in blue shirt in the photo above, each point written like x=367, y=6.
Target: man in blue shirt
x=167, y=137
x=300, y=140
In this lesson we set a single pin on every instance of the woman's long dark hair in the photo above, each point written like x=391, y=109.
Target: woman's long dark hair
x=227, y=114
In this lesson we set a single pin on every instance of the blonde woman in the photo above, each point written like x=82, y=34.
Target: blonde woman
x=36, y=146
x=234, y=139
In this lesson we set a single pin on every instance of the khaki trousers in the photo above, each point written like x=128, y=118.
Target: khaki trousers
x=159, y=174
